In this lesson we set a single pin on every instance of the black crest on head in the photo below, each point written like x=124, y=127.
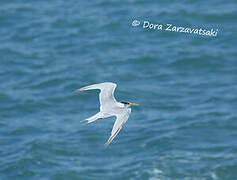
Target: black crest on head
x=124, y=102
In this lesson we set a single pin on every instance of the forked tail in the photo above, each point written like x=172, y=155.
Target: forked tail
x=93, y=118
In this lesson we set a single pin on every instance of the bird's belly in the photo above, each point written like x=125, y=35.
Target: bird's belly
x=109, y=110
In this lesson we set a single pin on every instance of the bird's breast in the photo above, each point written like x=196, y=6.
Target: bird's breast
x=112, y=110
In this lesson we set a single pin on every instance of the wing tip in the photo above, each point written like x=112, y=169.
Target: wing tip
x=107, y=143
x=78, y=90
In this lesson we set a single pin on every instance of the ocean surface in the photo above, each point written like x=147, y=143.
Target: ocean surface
x=186, y=84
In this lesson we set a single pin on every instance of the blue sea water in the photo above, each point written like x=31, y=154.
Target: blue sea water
x=186, y=125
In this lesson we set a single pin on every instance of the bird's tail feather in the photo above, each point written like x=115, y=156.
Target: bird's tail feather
x=92, y=118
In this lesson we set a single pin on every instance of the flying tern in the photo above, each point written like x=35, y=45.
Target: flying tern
x=110, y=107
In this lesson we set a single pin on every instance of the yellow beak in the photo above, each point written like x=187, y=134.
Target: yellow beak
x=133, y=104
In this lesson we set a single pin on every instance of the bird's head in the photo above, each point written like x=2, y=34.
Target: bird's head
x=127, y=104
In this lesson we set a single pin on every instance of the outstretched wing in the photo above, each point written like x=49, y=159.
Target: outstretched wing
x=106, y=92
x=120, y=121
